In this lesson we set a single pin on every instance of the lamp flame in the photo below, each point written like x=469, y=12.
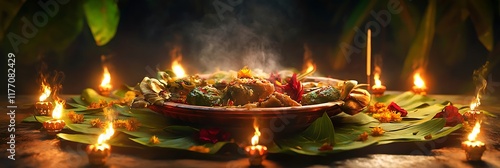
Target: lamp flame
x=107, y=134
x=255, y=138
x=376, y=77
x=475, y=103
x=475, y=131
x=106, y=81
x=418, y=81
x=178, y=69
x=58, y=109
x=45, y=93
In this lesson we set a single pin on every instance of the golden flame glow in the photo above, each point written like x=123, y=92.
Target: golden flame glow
x=475, y=131
x=46, y=92
x=311, y=67
x=178, y=69
x=106, y=81
x=107, y=134
x=418, y=81
x=475, y=103
x=255, y=138
x=376, y=77
x=58, y=109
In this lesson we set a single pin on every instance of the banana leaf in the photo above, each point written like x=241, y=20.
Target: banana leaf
x=103, y=18
x=118, y=139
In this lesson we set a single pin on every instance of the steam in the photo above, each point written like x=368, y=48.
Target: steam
x=479, y=78
x=250, y=36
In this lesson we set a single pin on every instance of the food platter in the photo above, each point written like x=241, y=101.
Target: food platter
x=288, y=119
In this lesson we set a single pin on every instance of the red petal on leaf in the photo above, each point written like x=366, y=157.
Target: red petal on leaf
x=294, y=88
x=213, y=135
x=451, y=114
x=395, y=107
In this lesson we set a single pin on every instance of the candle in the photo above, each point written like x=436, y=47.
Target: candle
x=419, y=85
x=368, y=55
x=474, y=149
x=256, y=153
x=42, y=107
x=378, y=89
x=105, y=87
x=55, y=125
x=99, y=153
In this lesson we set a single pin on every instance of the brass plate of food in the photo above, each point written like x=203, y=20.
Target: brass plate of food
x=244, y=102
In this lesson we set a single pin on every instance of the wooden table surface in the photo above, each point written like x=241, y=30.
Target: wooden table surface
x=35, y=149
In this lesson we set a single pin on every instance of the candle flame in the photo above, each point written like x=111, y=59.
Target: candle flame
x=255, y=138
x=418, y=81
x=45, y=92
x=178, y=69
x=107, y=134
x=58, y=109
x=475, y=131
x=106, y=81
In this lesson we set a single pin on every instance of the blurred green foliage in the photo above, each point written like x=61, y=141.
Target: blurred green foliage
x=34, y=28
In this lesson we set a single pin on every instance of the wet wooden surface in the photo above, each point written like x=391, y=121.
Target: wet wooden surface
x=35, y=149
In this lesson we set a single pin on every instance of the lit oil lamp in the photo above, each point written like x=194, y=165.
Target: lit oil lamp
x=43, y=107
x=105, y=87
x=256, y=153
x=378, y=89
x=419, y=87
x=473, y=115
x=55, y=125
x=99, y=153
x=474, y=149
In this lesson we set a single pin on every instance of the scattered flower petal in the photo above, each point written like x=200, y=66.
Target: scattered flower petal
x=451, y=114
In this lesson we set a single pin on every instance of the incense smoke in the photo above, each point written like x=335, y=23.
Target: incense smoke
x=479, y=78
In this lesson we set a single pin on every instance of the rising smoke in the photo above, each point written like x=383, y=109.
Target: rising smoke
x=250, y=35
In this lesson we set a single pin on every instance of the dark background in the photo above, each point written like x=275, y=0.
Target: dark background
x=262, y=34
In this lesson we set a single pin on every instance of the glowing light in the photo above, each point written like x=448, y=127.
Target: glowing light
x=58, y=109
x=418, y=81
x=106, y=81
x=311, y=67
x=45, y=93
x=255, y=138
x=110, y=131
x=376, y=77
x=475, y=131
x=178, y=69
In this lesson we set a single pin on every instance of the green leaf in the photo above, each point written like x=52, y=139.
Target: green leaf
x=357, y=119
x=321, y=130
x=84, y=128
x=183, y=143
x=30, y=119
x=103, y=17
x=418, y=131
x=417, y=57
x=310, y=140
x=117, y=139
x=51, y=34
x=91, y=96
x=481, y=14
